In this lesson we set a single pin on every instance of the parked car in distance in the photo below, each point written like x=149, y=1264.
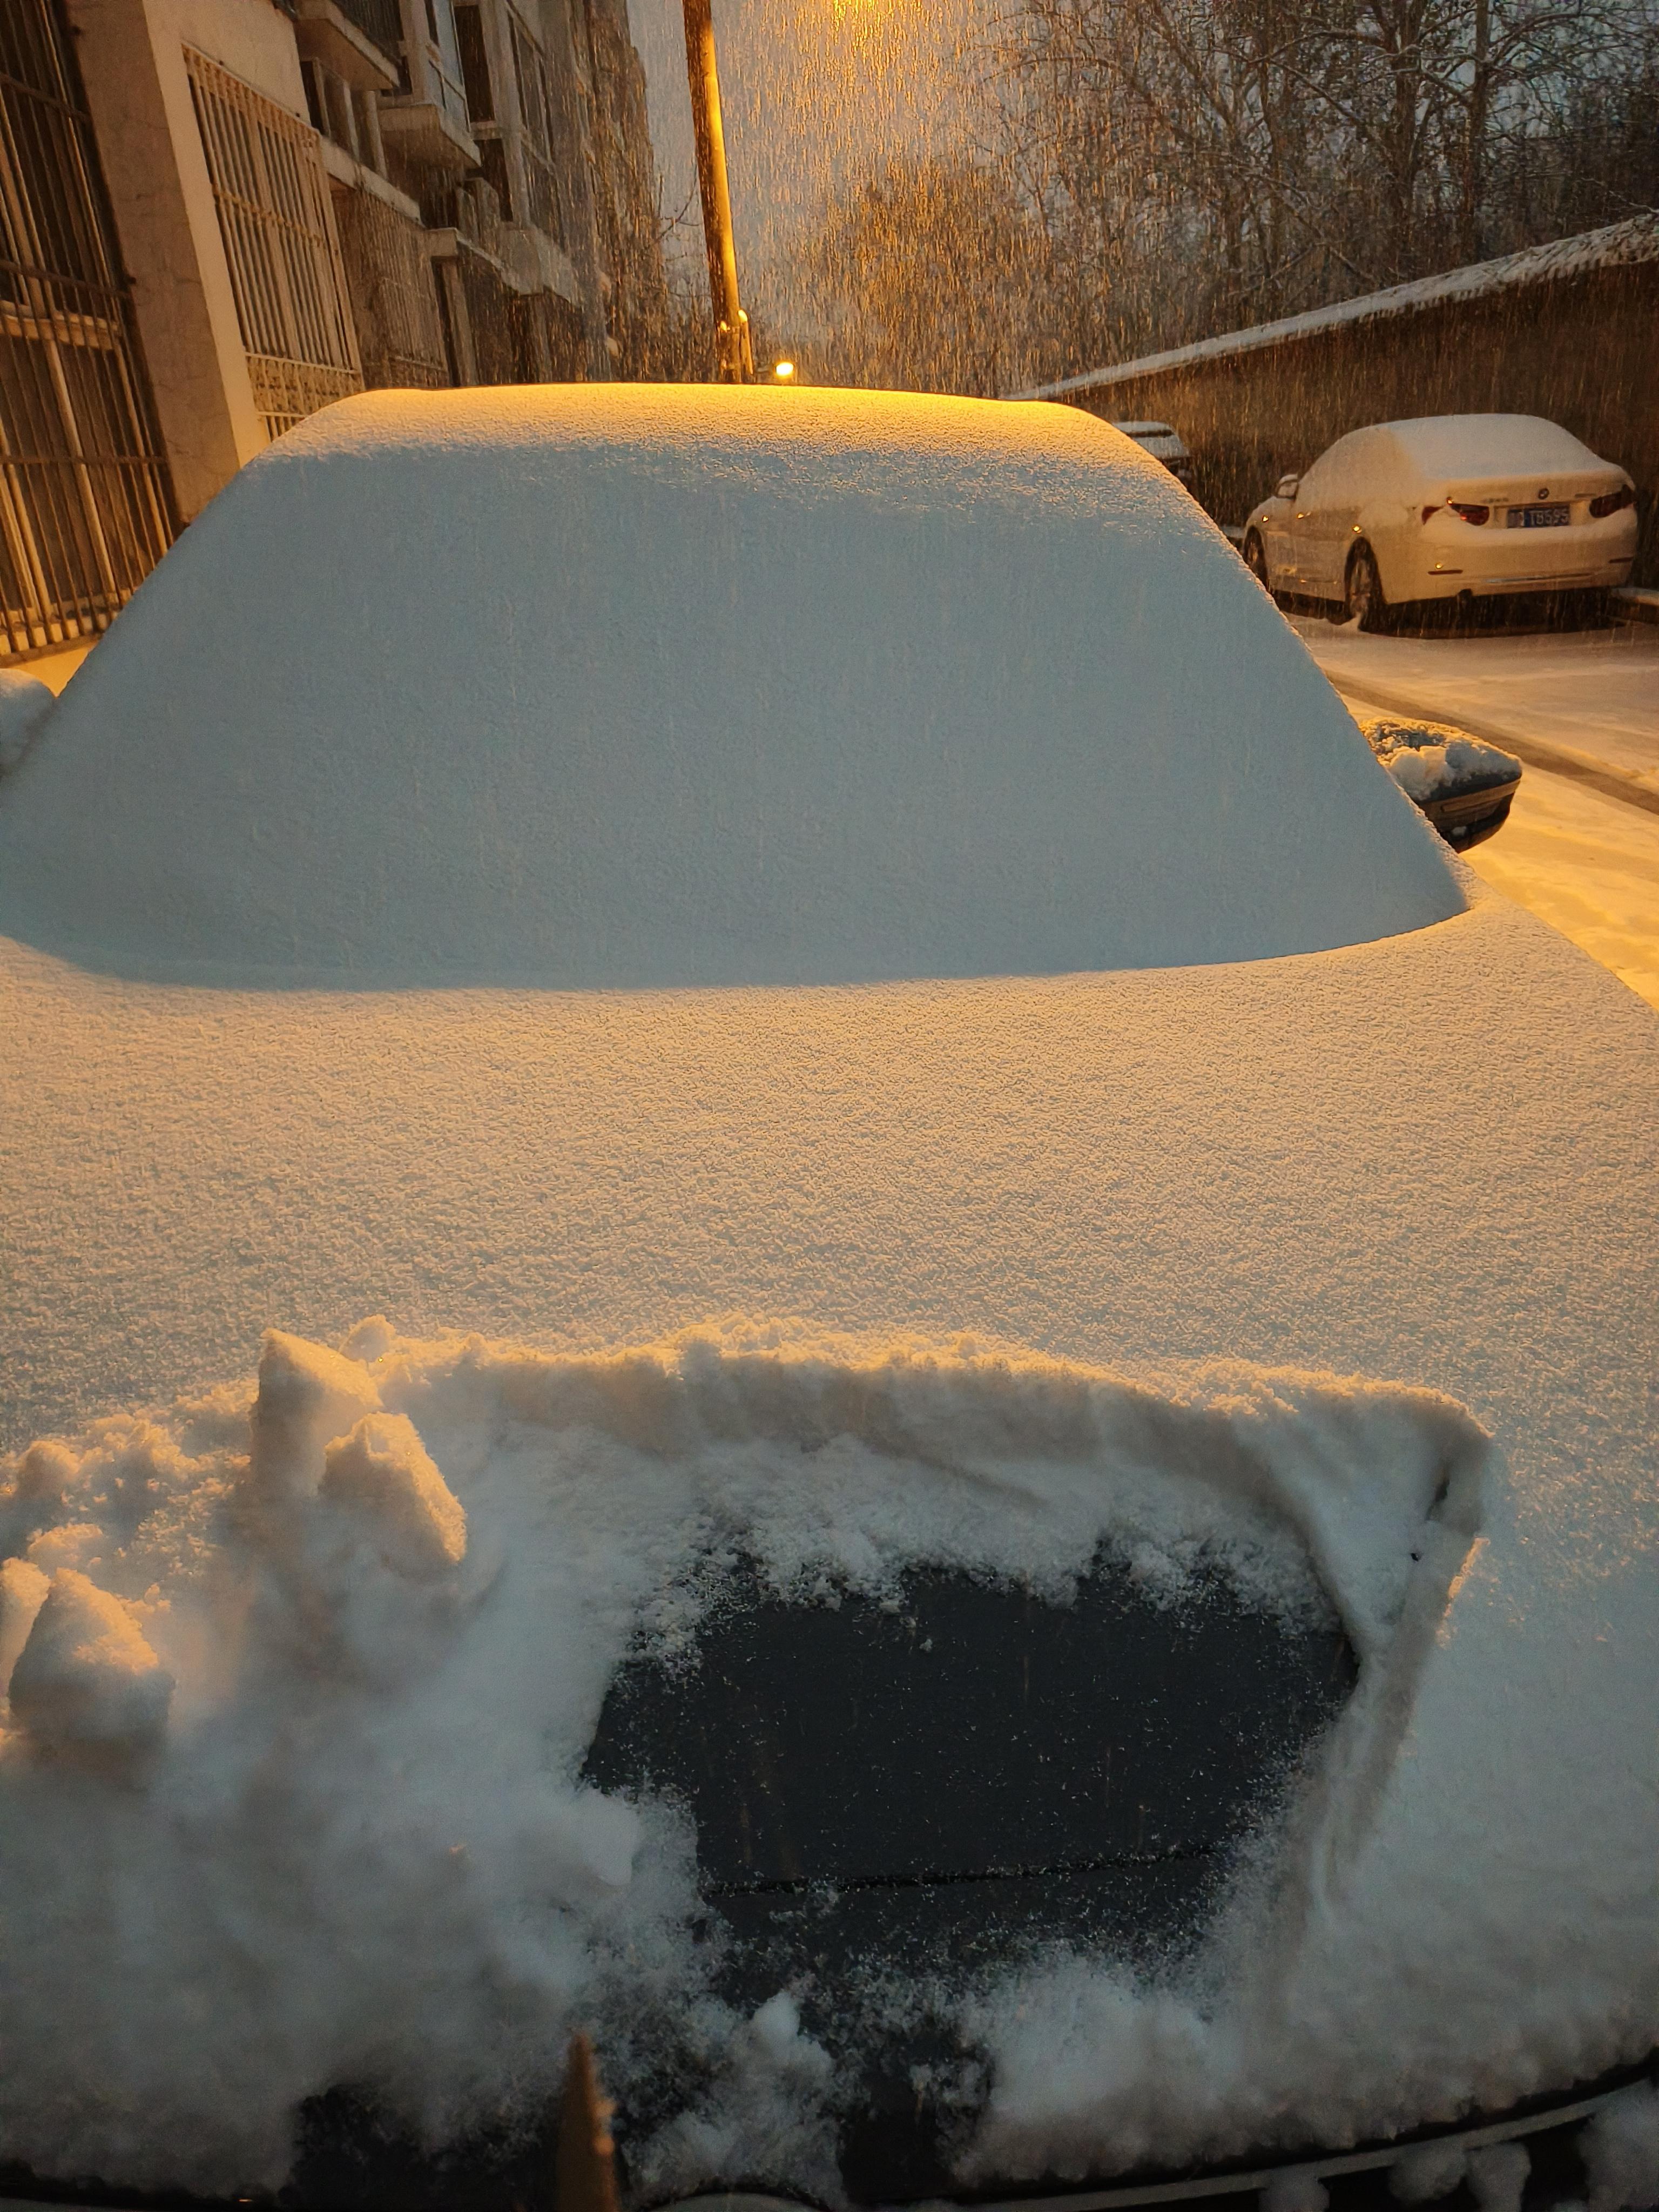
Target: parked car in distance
x=1445, y=507
x=1164, y=443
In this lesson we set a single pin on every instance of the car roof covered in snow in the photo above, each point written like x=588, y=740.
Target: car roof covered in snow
x=678, y=685
x=1434, y=446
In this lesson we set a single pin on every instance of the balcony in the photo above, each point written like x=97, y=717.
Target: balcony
x=427, y=125
x=358, y=40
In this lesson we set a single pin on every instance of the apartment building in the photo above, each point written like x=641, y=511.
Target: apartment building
x=217, y=216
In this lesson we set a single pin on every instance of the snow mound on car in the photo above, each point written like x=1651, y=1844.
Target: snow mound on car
x=360, y=1619
x=1465, y=446
x=667, y=685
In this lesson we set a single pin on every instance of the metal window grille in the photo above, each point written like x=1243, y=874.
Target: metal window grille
x=271, y=193
x=86, y=505
x=392, y=293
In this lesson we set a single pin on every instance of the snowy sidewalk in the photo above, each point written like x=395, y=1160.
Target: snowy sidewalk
x=1583, y=704
x=1585, y=863
x=1581, y=709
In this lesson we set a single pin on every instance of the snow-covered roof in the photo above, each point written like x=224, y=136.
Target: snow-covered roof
x=1617, y=245
x=670, y=684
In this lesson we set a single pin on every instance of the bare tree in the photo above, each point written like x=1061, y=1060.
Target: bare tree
x=928, y=275
x=1203, y=163
x=1147, y=172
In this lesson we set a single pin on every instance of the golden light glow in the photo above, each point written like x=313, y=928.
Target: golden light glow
x=783, y=370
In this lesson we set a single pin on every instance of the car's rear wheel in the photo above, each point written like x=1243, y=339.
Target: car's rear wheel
x=1364, y=599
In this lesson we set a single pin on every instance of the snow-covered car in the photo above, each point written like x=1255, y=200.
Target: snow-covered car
x=766, y=1295
x=1447, y=507
x=1164, y=443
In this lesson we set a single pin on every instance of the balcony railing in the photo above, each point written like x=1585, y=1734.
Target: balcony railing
x=272, y=198
x=380, y=22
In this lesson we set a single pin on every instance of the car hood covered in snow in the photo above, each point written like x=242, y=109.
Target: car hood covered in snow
x=1329, y=1263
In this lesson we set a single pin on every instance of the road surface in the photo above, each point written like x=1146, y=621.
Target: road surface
x=1589, y=696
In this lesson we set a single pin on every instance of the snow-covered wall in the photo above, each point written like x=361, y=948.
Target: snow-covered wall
x=667, y=685
x=1616, y=246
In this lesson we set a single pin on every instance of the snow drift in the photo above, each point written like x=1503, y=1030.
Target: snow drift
x=674, y=685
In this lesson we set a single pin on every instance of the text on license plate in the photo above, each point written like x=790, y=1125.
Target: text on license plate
x=1538, y=518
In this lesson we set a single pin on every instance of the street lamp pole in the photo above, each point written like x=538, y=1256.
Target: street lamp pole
x=735, y=361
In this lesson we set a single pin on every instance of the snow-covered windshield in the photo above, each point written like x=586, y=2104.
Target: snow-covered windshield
x=1488, y=445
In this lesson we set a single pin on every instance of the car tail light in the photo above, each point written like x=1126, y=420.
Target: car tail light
x=1428, y=511
x=1611, y=501
x=1470, y=513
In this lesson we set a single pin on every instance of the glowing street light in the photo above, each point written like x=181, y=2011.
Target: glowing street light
x=735, y=359
x=783, y=371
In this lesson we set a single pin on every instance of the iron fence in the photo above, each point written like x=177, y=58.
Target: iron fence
x=86, y=505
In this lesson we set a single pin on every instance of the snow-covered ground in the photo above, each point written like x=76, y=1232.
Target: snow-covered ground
x=54, y=670
x=1592, y=694
x=1587, y=864
x=1582, y=857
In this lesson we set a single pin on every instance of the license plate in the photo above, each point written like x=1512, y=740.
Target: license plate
x=1538, y=518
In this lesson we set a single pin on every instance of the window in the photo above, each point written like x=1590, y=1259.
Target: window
x=475, y=63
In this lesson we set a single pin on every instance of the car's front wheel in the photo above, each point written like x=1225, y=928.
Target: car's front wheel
x=1364, y=600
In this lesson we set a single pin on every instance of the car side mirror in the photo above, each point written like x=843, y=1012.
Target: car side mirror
x=1287, y=487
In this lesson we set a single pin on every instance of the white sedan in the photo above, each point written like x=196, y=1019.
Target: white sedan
x=953, y=1433
x=1443, y=507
